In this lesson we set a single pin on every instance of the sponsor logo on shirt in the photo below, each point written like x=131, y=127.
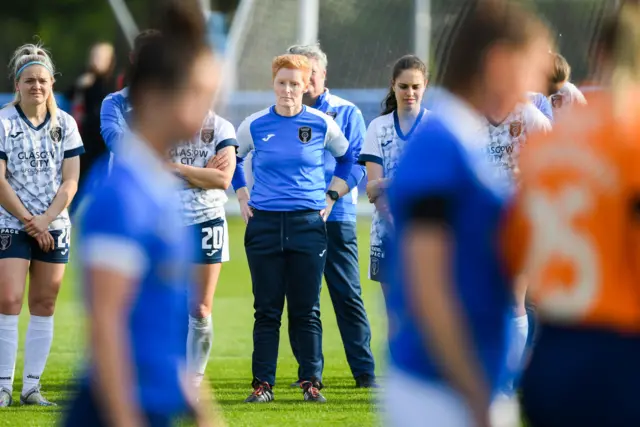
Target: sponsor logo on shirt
x=332, y=114
x=268, y=137
x=188, y=156
x=36, y=160
x=15, y=135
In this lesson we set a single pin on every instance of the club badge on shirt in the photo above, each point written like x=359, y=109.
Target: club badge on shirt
x=206, y=135
x=331, y=114
x=515, y=129
x=557, y=100
x=56, y=134
x=304, y=134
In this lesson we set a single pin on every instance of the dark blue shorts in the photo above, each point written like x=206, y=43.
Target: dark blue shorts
x=582, y=377
x=212, y=243
x=377, y=264
x=85, y=411
x=18, y=244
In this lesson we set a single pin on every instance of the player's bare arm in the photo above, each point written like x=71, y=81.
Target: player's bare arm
x=9, y=199
x=429, y=258
x=210, y=178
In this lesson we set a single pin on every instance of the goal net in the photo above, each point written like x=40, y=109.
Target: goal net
x=363, y=38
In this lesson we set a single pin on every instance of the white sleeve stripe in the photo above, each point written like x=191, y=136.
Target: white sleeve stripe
x=115, y=253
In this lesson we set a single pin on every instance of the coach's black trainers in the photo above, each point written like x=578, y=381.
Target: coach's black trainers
x=312, y=392
x=262, y=393
x=5, y=398
x=366, y=381
x=34, y=397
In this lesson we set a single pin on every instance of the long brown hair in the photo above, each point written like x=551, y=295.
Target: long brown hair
x=407, y=62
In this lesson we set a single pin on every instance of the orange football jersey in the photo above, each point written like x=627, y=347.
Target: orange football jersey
x=574, y=227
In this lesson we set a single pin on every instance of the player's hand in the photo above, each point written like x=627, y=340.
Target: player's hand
x=38, y=225
x=46, y=242
x=245, y=209
x=324, y=213
x=375, y=189
x=219, y=161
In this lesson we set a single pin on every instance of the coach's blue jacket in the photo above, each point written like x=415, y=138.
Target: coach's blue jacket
x=349, y=119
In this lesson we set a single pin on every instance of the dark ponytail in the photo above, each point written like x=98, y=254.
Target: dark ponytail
x=164, y=59
x=407, y=62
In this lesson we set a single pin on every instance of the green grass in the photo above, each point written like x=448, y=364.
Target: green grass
x=230, y=367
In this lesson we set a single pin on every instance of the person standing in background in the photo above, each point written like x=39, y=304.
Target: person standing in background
x=286, y=236
x=386, y=138
x=342, y=271
x=86, y=100
x=39, y=167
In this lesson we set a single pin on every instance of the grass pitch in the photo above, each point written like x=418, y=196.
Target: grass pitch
x=230, y=367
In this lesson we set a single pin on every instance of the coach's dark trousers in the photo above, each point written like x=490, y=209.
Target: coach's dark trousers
x=286, y=252
x=342, y=274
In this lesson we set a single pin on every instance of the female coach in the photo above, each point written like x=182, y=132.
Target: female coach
x=286, y=237
x=39, y=170
x=136, y=255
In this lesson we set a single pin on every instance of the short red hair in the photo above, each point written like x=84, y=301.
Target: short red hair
x=292, y=62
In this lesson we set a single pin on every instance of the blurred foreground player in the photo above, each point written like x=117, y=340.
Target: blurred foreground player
x=136, y=256
x=449, y=302
x=575, y=231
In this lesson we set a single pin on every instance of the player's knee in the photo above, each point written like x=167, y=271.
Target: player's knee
x=42, y=306
x=10, y=304
x=201, y=311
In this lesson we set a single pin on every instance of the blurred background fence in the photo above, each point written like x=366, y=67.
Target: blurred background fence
x=362, y=39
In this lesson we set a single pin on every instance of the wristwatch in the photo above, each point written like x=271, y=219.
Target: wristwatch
x=333, y=195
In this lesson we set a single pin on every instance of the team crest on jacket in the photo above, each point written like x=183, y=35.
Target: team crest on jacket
x=56, y=134
x=5, y=241
x=206, y=135
x=515, y=128
x=556, y=100
x=304, y=134
x=332, y=114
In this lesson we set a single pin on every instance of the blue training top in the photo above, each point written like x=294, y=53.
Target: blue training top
x=446, y=159
x=113, y=118
x=132, y=225
x=349, y=119
x=288, y=158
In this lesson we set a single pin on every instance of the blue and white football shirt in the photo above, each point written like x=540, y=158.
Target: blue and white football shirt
x=34, y=157
x=288, y=158
x=201, y=205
